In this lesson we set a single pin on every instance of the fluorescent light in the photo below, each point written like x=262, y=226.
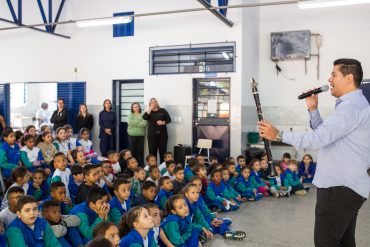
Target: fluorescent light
x=310, y=4
x=225, y=55
x=104, y=21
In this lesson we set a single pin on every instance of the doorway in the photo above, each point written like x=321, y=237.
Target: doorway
x=125, y=92
x=211, y=114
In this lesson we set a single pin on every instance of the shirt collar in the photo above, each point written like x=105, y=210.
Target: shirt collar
x=348, y=96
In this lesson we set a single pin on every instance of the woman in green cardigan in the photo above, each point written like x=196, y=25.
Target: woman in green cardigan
x=136, y=133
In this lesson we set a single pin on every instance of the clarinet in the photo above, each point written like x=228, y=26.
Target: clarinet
x=260, y=117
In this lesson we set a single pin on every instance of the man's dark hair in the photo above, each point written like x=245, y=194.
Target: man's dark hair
x=147, y=185
x=351, y=66
x=95, y=194
x=24, y=200
x=15, y=189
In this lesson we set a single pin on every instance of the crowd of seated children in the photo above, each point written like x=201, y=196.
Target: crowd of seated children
x=117, y=200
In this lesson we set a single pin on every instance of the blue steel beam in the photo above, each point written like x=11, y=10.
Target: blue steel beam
x=58, y=15
x=12, y=10
x=48, y=29
x=34, y=28
x=207, y=5
x=50, y=6
x=20, y=11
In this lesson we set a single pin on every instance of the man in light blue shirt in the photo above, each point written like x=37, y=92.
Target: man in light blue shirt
x=343, y=145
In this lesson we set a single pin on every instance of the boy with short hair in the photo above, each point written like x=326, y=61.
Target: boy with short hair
x=170, y=166
x=58, y=194
x=137, y=180
x=154, y=175
x=148, y=193
x=151, y=160
x=90, y=173
x=192, y=162
x=179, y=182
x=233, y=174
x=120, y=202
x=240, y=160
x=163, y=167
x=107, y=176
x=75, y=181
x=61, y=173
x=91, y=212
x=8, y=214
x=61, y=224
x=28, y=229
x=291, y=179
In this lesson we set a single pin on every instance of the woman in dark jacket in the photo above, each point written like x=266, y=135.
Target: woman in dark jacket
x=107, y=133
x=158, y=118
x=84, y=119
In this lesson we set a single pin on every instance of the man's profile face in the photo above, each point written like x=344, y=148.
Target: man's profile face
x=339, y=83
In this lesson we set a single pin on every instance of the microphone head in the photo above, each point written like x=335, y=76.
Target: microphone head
x=325, y=88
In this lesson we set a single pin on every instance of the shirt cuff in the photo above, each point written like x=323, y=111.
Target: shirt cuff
x=314, y=114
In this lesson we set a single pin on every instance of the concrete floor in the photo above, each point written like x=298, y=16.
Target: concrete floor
x=284, y=222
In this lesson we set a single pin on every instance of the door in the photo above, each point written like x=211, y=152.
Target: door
x=125, y=92
x=5, y=102
x=211, y=114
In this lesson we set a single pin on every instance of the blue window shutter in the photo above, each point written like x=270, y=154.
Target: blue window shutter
x=74, y=94
x=5, y=102
x=122, y=30
x=223, y=3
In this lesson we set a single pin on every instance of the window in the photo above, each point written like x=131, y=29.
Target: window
x=18, y=96
x=131, y=92
x=194, y=58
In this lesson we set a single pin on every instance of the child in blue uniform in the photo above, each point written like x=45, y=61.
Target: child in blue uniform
x=120, y=202
x=307, y=169
x=58, y=194
x=31, y=156
x=136, y=228
x=147, y=194
x=9, y=153
x=176, y=226
x=291, y=179
x=217, y=192
x=38, y=188
x=240, y=160
x=255, y=179
x=277, y=187
x=232, y=194
x=164, y=193
x=28, y=229
x=245, y=187
x=192, y=162
x=75, y=180
x=92, y=212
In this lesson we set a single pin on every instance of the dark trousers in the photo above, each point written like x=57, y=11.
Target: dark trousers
x=157, y=141
x=136, y=144
x=107, y=142
x=335, y=216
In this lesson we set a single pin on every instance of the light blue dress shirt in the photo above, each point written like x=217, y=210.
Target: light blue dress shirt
x=343, y=144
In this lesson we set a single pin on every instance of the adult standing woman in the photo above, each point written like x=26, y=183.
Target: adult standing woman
x=136, y=133
x=107, y=123
x=60, y=116
x=158, y=118
x=84, y=119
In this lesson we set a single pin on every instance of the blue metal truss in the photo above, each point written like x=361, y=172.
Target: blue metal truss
x=17, y=19
x=220, y=14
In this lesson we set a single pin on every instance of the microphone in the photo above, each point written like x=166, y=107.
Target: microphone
x=314, y=91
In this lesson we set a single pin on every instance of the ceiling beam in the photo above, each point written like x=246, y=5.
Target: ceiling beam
x=220, y=16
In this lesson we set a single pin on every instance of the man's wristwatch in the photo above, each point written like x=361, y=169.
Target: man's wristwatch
x=279, y=136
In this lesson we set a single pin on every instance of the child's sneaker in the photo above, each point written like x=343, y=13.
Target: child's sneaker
x=234, y=235
x=276, y=194
x=301, y=192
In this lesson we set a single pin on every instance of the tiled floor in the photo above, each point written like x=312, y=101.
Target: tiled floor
x=285, y=222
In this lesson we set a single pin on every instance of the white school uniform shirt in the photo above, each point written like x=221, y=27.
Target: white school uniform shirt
x=173, y=177
x=150, y=179
x=33, y=154
x=124, y=206
x=87, y=145
x=64, y=176
x=72, y=143
x=116, y=168
x=110, y=177
x=162, y=167
x=278, y=181
x=4, y=202
x=63, y=146
x=156, y=231
x=6, y=216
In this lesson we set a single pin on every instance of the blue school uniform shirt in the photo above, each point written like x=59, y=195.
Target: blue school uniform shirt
x=44, y=189
x=32, y=237
x=133, y=237
x=311, y=169
x=61, y=204
x=218, y=189
x=162, y=197
x=115, y=203
x=13, y=155
x=73, y=188
x=256, y=176
x=84, y=208
x=174, y=217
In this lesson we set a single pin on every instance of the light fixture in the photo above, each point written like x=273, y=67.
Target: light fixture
x=310, y=4
x=104, y=21
x=225, y=55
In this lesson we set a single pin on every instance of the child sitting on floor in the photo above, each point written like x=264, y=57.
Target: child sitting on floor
x=256, y=181
x=165, y=191
x=120, y=202
x=179, y=182
x=277, y=184
x=291, y=179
